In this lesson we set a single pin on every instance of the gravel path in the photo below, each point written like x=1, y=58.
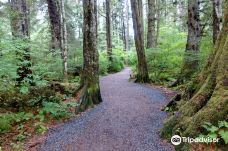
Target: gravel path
x=128, y=119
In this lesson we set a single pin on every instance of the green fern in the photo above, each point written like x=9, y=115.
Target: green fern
x=215, y=132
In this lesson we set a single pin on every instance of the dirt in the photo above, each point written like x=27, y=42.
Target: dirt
x=128, y=119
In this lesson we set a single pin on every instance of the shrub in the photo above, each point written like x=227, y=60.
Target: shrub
x=118, y=61
x=8, y=119
x=4, y=125
x=56, y=110
x=103, y=63
x=131, y=58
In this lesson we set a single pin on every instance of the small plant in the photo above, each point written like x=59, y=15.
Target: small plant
x=220, y=131
x=22, y=116
x=17, y=147
x=40, y=128
x=20, y=137
x=21, y=126
x=4, y=125
x=56, y=110
x=7, y=119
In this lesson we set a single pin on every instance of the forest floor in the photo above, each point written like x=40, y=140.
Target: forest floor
x=128, y=119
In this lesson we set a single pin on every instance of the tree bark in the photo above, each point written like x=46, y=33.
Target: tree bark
x=210, y=101
x=191, y=60
x=182, y=14
x=137, y=16
x=127, y=26
x=217, y=18
x=20, y=31
x=64, y=39
x=123, y=22
x=108, y=30
x=55, y=24
x=158, y=18
x=56, y=11
x=90, y=93
x=151, y=33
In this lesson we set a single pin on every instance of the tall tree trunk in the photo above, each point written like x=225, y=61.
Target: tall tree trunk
x=151, y=33
x=137, y=15
x=64, y=39
x=124, y=32
x=191, y=60
x=20, y=31
x=56, y=11
x=158, y=18
x=108, y=30
x=123, y=23
x=210, y=100
x=90, y=93
x=127, y=26
x=217, y=18
x=55, y=24
x=96, y=18
x=182, y=14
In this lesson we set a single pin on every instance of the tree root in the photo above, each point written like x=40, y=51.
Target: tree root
x=90, y=96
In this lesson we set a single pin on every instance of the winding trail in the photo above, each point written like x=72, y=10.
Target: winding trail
x=128, y=119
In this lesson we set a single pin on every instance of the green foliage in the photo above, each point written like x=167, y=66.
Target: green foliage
x=24, y=89
x=117, y=64
x=216, y=131
x=4, y=125
x=103, y=63
x=131, y=58
x=21, y=136
x=17, y=146
x=8, y=119
x=8, y=64
x=164, y=62
x=56, y=110
x=40, y=128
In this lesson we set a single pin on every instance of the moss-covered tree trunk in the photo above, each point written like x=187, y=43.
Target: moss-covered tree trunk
x=191, y=60
x=137, y=16
x=90, y=93
x=191, y=57
x=210, y=100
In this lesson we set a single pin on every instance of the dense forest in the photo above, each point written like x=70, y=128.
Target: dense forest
x=64, y=60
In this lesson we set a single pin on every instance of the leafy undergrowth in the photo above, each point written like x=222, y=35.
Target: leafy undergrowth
x=18, y=126
x=165, y=61
x=211, y=131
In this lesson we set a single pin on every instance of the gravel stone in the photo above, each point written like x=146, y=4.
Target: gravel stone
x=128, y=119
